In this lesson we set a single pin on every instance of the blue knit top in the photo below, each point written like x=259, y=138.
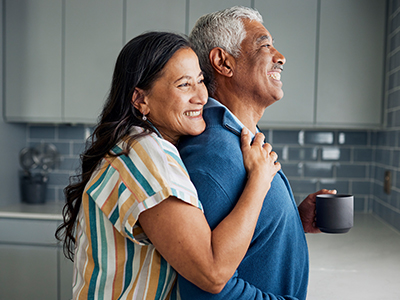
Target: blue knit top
x=276, y=264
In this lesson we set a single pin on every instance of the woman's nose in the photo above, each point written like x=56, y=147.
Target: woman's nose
x=201, y=94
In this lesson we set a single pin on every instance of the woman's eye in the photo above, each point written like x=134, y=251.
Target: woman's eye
x=201, y=80
x=185, y=84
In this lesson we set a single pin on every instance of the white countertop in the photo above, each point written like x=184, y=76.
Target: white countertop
x=361, y=264
x=46, y=211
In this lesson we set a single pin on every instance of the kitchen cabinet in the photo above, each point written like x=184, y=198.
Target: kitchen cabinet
x=351, y=62
x=32, y=264
x=157, y=15
x=28, y=272
x=59, y=56
x=33, y=60
x=293, y=26
x=93, y=39
x=333, y=76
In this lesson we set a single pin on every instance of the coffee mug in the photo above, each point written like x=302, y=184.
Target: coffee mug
x=335, y=213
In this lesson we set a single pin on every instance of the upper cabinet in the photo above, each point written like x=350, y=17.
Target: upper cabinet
x=293, y=26
x=93, y=39
x=33, y=60
x=158, y=15
x=351, y=62
x=60, y=55
x=333, y=76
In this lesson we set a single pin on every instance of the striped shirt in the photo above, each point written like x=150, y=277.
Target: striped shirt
x=114, y=258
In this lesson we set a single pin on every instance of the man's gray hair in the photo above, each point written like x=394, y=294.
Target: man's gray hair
x=223, y=29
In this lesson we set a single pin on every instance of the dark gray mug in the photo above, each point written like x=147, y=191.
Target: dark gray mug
x=335, y=213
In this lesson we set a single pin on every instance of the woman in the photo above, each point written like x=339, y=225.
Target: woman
x=134, y=216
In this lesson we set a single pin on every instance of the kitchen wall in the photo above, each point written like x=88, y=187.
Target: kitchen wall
x=387, y=143
x=351, y=161
x=326, y=159
x=312, y=159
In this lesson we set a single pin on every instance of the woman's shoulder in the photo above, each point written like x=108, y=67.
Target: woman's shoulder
x=151, y=143
x=148, y=149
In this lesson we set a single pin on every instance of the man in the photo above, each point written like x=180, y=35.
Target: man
x=242, y=73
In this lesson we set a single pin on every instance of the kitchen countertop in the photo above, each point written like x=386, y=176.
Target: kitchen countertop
x=46, y=211
x=361, y=264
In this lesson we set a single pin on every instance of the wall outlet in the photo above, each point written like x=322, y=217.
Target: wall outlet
x=387, y=182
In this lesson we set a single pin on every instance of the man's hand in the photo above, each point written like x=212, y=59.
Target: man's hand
x=307, y=211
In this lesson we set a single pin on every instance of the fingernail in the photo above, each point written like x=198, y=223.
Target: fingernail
x=245, y=130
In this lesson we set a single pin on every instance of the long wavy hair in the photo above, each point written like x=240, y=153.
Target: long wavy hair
x=139, y=64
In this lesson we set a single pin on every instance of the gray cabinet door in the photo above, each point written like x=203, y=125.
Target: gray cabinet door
x=32, y=262
x=33, y=51
x=154, y=15
x=28, y=272
x=65, y=276
x=93, y=39
x=293, y=25
x=351, y=62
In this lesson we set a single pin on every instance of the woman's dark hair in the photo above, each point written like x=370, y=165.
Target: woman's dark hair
x=139, y=65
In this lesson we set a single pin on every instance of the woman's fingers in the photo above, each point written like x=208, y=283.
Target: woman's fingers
x=246, y=138
x=259, y=138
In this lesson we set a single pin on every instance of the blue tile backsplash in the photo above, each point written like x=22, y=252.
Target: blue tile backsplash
x=336, y=159
x=351, y=161
x=70, y=142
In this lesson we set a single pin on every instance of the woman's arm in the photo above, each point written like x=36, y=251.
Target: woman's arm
x=181, y=234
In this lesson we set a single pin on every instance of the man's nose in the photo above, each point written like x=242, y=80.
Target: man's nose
x=279, y=58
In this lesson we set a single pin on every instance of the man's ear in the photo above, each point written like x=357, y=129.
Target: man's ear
x=222, y=61
x=140, y=101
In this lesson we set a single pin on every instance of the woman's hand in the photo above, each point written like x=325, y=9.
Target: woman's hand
x=259, y=160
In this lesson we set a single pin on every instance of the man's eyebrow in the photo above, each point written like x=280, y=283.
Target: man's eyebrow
x=263, y=38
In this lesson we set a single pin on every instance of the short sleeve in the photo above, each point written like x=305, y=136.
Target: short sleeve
x=127, y=185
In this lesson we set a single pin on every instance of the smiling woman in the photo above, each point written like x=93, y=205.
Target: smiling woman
x=182, y=81
x=132, y=216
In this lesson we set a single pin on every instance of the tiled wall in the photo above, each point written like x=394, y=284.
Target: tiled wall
x=330, y=159
x=312, y=160
x=70, y=143
x=387, y=206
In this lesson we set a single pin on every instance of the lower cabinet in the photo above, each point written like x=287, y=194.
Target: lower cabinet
x=32, y=262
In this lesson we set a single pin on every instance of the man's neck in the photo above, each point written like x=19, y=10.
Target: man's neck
x=244, y=108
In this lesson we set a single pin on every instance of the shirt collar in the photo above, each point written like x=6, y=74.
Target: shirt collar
x=230, y=121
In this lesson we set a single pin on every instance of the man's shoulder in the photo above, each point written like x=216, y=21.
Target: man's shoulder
x=215, y=149
x=214, y=142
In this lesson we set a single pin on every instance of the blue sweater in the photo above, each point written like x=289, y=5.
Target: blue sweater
x=276, y=264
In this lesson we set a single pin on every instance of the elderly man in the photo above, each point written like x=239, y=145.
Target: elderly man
x=242, y=73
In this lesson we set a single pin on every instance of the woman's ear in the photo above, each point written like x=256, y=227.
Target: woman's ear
x=139, y=101
x=222, y=61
